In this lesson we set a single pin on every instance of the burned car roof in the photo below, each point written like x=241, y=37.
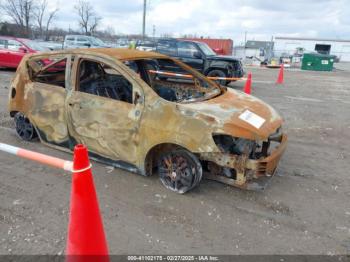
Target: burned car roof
x=118, y=53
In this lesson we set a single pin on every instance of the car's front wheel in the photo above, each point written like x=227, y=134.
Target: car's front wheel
x=179, y=170
x=218, y=73
x=24, y=127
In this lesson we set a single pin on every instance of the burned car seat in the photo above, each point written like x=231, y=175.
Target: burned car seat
x=89, y=74
x=94, y=80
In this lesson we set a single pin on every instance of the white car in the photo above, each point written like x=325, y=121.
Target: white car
x=145, y=46
x=83, y=41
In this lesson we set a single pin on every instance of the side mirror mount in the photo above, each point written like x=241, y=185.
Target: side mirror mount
x=23, y=50
x=137, y=98
x=197, y=55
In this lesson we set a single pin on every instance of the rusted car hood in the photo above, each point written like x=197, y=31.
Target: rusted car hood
x=223, y=113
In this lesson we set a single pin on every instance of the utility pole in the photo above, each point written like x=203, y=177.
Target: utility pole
x=144, y=20
x=271, y=49
x=245, y=44
x=154, y=32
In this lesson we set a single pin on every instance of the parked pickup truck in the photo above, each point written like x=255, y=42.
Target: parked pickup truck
x=202, y=58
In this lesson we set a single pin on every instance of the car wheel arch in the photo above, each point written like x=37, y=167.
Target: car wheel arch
x=35, y=131
x=223, y=69
x=13, y=113
x=155, y=151
x=219, y=72
x=38, y=132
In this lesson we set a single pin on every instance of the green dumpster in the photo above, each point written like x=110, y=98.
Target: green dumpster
x=317, y=62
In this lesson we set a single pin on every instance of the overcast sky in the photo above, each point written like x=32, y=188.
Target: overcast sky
x=220, y=18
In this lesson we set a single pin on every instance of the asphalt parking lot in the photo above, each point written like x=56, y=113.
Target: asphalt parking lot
x=305, y=210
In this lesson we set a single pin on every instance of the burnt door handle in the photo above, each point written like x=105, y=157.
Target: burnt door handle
x=137, y=98
x=73, y=104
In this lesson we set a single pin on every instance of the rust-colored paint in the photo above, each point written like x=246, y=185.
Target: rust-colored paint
x=135, y=132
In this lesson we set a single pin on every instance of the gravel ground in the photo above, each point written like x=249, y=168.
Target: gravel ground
x=305, y=210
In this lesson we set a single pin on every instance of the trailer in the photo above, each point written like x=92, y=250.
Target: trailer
x=220, y=46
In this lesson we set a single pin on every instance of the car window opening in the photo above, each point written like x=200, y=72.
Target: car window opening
x=102, y=80
x=182, y=86
x=51, y=71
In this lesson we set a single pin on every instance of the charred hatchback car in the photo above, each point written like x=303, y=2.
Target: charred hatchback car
x=114, y=101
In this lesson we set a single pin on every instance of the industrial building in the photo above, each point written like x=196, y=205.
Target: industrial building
x=293, y=45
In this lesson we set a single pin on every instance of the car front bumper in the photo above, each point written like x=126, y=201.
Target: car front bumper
x=251, y=174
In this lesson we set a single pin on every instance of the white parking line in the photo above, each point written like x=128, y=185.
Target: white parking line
x=304, y=99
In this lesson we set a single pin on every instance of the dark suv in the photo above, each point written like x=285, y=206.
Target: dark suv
x=200, y=57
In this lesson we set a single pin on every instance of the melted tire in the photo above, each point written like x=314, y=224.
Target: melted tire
x=179, y=170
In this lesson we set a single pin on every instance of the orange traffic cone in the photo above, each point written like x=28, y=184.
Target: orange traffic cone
x=280, y=78
x=248, y=84
x=85, y=230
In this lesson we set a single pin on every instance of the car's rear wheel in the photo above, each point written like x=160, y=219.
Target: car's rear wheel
x=179, y=170
x=218, y=73
x=24, y=127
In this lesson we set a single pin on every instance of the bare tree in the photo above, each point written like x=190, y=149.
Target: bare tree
x=51, y=16
x=88, y=20
x=109, y=31
x=20, y=11
x=40, y=14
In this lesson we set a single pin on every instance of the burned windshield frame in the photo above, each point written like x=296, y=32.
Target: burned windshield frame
x=184, y=89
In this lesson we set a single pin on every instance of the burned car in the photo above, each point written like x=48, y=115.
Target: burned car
x=114, y=102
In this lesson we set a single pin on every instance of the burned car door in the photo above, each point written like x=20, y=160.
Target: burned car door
x=105, y=109
x=46, y=93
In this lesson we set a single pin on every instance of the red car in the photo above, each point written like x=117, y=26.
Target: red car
x=13, y=49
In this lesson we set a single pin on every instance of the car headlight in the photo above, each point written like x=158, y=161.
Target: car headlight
x=234, y=145
x=277, y=136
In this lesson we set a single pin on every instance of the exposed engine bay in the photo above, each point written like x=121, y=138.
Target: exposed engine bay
x=238, y=151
